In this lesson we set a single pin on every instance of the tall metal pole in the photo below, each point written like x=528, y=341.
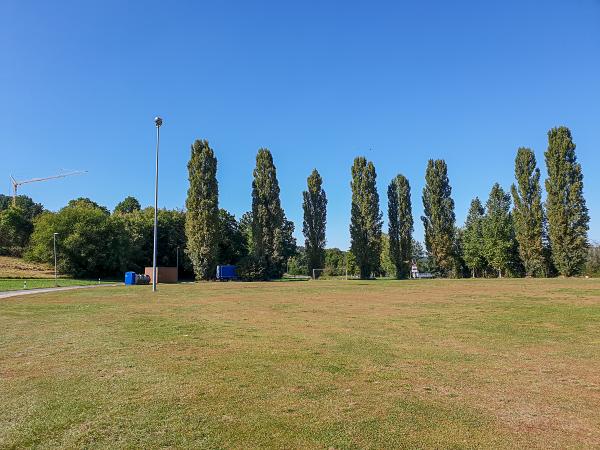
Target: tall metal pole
x=158, y=123
x=55, y=270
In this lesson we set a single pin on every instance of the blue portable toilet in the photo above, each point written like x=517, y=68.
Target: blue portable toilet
x=226, y=272
x=130, y=278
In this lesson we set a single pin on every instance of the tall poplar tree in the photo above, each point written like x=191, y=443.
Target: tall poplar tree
x=528, y=212
x=365, y=220
x=439, y=218
x=472, y=242
x=271, y=231
x=567, y=212
x=400, y=222
x=498, y=231
x=202, y=226
x=315, y=220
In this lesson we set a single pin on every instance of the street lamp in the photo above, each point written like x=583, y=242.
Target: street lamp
x=158, y=122
x=55, y=271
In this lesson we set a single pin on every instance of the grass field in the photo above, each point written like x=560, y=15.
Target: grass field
x=325, y=364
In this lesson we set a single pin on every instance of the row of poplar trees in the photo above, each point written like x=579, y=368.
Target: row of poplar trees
x=366, y=221
x=533, y=237
x=266, y=224
x=267, y=233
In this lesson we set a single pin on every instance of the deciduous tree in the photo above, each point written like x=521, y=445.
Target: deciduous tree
x=498, y=231
x=15, y=229
x=400, y=222
x=528, y=212
x=232, y=242
x=90, y=243
x=271, y=235
x=439, y=218
x=473, y=248
x=202, y=218
x=592, y=267
x=335, y=262
x=567, y=212
x=315, y=220
x=32, y=209
x=128, y=205
x=365, y=224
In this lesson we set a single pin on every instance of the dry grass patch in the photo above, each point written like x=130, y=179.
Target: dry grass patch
x=11, y=267
x=384, y=364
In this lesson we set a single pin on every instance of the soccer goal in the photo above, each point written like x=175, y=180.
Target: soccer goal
x=315, y=272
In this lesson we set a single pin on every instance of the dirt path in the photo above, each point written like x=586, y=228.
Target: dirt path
x=8, y=294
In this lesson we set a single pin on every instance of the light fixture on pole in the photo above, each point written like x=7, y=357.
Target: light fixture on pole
x=55, y=270
x=158, y=122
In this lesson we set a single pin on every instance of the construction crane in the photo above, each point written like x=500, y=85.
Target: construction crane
x=16, y=184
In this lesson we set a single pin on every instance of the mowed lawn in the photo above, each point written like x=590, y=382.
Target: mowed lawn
x=318, y=364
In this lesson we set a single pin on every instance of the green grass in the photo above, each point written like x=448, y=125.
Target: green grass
x=318, y=364
x=15, y=284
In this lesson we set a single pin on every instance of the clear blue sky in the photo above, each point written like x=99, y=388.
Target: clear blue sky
x=318, y=83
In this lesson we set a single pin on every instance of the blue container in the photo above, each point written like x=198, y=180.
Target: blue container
x=130, y=278
x=226, y=272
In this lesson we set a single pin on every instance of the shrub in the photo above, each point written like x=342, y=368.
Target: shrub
x=252, y=268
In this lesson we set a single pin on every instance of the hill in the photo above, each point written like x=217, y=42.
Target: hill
x=11, y=267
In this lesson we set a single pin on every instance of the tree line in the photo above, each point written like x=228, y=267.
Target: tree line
x=514, y=233
x=529, y=238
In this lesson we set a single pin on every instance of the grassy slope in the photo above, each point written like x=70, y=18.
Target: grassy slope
x=18, y=268
x=15, y=271
x=471, y=363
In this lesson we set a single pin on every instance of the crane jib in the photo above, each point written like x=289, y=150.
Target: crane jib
x=16, y=183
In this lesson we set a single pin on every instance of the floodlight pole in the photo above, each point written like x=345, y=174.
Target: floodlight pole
x=55, y=270
x=158, y=123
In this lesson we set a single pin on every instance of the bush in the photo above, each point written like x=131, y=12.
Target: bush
x=139, y=227
x=592, y=267
x=15, y=229
x=252, y=269
x=89, y=243
x=297, y=265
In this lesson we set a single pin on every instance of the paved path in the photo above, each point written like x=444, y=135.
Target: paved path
x=8, y=294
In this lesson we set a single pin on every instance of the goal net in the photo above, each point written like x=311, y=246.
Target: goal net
x=317, y=273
